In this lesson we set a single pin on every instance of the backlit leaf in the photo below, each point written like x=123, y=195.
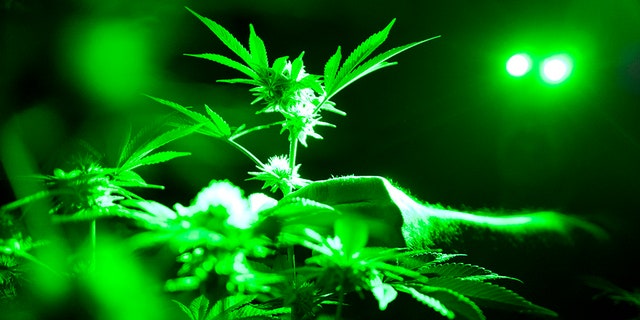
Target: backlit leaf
x=227, y=62
x=362, y=52
x=492, y=295
x=226, y=37
x=258, y=49
x=376, y=63
x=331, y=68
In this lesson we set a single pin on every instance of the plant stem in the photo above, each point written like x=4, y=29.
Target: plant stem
x=246, y=152
x=293, y=150
x=292, y=258
x=93, y=244
x=265, y=126
x=340, y=302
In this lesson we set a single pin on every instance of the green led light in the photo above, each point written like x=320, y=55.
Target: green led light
x=556, y=69
x=518, y=65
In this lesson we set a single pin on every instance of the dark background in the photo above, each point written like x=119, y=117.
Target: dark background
x=447, y=123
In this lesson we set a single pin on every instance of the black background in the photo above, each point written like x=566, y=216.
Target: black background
x=446, y=123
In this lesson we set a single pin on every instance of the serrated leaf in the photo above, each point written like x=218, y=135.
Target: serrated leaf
x=227, y=62
x=456, y=270
x=199, y=307
x=331, y=68
x=460, y=305
x=216, y=130
x=296, y=66
x=489, y=294
x=137, y=157
x=185, y=310
x=249, y=312
x=363, y=51
x=130, y=176
x=218, y=122
x=126, y=145
x=240, y=80
x=279, y=64
x=258, y=49
x=159, y=158
x=96, y=213
x=222, y=308
x=376, y=63
x=226, y=37
x=429, y=301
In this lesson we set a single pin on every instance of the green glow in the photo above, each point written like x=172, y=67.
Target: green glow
x=519, y=64
x=111, y=60
x=556, y=69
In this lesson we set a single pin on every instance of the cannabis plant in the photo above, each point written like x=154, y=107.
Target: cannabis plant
x=297, y=253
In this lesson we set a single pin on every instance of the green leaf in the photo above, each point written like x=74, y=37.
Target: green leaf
x=376, y=63
x=240, y=80
x=126, y=146
x=226, y=37
x=457, y=270
x=136, y=158
x=185, y=310
x=159, y=158
x=199, y=307
x=362, y=52
x=131, y=177
x=218, y=122
x=100, y=212
x=279, y=64
x=296, y=66
x=227, y=62
x=222, y=308
x=429, y=301
x=249, y=312
x=210, y=127
x=488, y=294
x=460, y=305
x=331, y=68
x=258, y=50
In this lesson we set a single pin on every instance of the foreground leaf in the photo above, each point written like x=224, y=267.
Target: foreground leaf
x=226, y=37
x=490, y=295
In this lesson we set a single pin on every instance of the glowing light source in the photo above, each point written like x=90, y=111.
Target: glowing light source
x=556, y=69
x=518, y=65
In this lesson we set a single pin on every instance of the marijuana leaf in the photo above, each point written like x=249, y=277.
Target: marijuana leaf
x=354, y=66
x=446, y=302
x=141, y=156
x=213, y=126
x=489, y=294
x=226, y=37
x=461, y=271
x=229, y=63
x=258, y=50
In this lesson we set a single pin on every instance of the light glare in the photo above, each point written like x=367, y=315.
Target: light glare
x=518, y=65
x=556, y=69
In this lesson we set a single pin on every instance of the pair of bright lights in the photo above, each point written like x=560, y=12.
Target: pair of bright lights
x=554, y=69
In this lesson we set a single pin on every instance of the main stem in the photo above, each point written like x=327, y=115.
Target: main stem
x=293, y=150
x=340, y=302
x=93, y=244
